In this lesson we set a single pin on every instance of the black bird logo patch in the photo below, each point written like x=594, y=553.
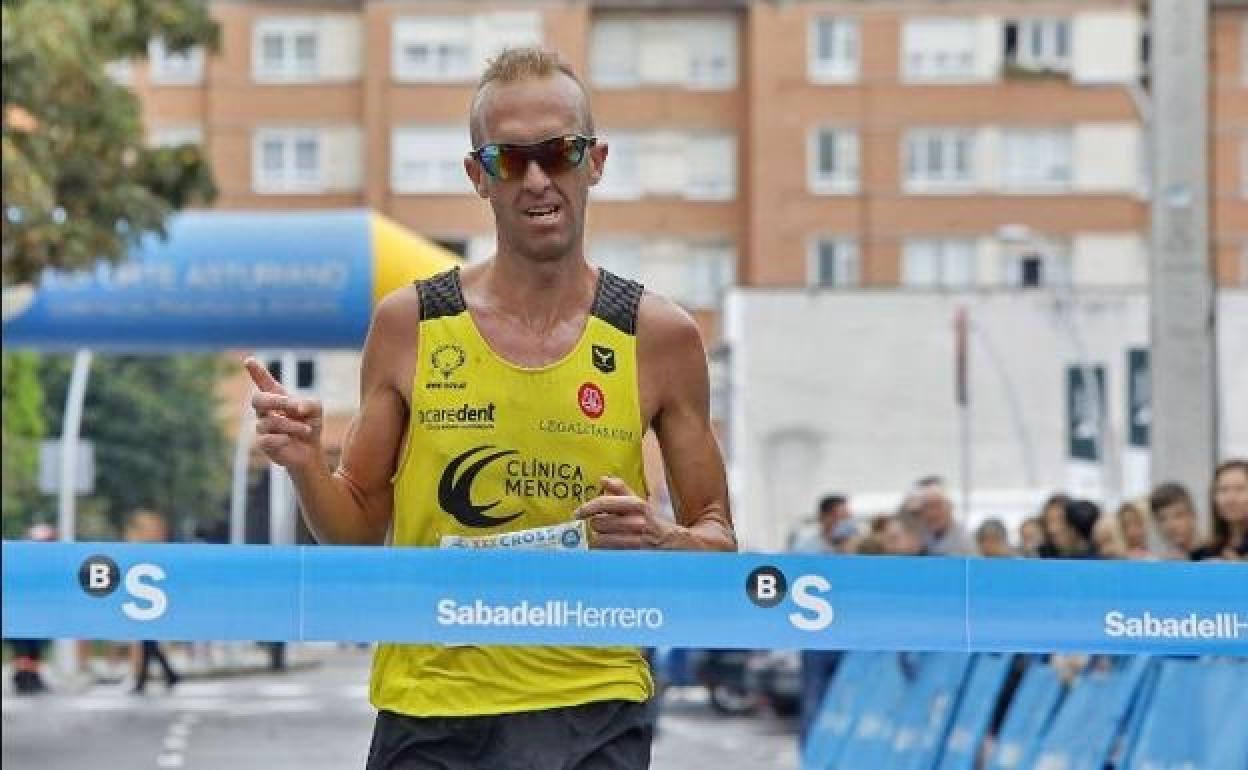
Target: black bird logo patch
x=604, y=359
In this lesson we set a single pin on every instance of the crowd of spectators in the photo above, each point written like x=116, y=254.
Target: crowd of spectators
x=1163, y=525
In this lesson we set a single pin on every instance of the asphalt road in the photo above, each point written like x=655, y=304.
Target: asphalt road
x=309, y=718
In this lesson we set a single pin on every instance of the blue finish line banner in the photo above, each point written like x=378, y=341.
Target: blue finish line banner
x=210, y=592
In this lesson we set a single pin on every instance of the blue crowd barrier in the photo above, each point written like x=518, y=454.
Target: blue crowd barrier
x=838, y=712
x=1028, y=717
x=923, y=725
x=1132, y=713
x=975, y=709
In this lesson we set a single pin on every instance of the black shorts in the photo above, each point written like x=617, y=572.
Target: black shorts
x=607, y=735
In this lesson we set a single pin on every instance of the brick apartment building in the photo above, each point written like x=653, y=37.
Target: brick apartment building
x=839, y=144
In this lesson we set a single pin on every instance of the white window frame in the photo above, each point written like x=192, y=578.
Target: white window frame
x=942, y=250
x=623, y=255
x=931, y=66
x=1047, y=31
x=408, y=30
x=721, y=184
x=450, y=179
x=290, y=29
x=917, y=146
x=684, y=34
x=167, y=68
x=288, y=183
x=1024, y=169
x=844, y=69
x=839, y=182
x=846, y=259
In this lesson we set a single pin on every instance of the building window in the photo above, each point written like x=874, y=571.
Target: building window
x=938, y=49
x=169, y=68
x=286, y=50
x=938, y=159
x=712, y=168
x=938, y=263
x=1037, y=160
x=288, y=161
x=433, y=49
x=1030, y=267
x=429, y=160
x=1038, y=45
x=692, y=166
x=833, y=161
x=833, y=263
x=454, y=49
x=693, y=53
x=712, y=269
x=175, y=136
x=834, y=50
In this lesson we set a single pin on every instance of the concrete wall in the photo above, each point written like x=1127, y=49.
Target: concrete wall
x=854, y=392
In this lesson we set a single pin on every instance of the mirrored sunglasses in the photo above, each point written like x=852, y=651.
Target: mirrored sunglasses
x=554, y=156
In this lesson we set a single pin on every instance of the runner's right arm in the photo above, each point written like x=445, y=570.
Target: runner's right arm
x=352, y=505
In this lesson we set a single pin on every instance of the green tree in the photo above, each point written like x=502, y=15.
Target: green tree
x=79, y=183
x=23, y=427
x=159, y=442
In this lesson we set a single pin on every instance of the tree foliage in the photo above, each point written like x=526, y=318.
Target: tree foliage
x=23, y=428
x=79, y=183
x=158, y=440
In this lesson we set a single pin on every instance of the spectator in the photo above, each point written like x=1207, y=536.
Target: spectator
x=1176, y=519
x=942, y=535
x=902, y=536
x=1057, y=535
x=1229, y=504
x=147, y=526
x=1081, y=517
x=28, y=653
x=836, y=526
x=993, y=539
x=837, y=534
x=1133, y=525
x=1031, y=536
x=872, y=545
x=1107, y=539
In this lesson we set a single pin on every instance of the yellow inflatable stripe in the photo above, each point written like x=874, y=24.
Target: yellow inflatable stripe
x=400, y=257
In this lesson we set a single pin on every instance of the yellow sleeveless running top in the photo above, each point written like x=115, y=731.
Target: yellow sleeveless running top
x=493, y=447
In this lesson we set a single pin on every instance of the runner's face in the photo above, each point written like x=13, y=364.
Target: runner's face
x=539, y=214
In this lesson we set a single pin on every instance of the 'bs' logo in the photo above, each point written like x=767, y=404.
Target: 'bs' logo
x=99, y=576
x=455, y=494
x=766, y=587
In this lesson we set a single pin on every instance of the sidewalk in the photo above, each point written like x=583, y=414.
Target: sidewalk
x=208, y=661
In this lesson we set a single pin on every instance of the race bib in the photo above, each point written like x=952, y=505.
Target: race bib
x=569, y=535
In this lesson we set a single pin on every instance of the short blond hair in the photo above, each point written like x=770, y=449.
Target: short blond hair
x=515, y=64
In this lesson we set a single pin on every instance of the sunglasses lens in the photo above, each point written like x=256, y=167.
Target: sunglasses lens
x=555, y=156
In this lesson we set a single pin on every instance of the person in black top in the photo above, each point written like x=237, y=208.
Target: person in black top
x=1229, y=504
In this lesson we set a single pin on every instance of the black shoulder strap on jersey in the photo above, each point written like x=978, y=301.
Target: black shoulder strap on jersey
x=441, y=295
x=617, y=300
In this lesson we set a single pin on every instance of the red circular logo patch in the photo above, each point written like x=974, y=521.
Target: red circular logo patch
x=593, y=402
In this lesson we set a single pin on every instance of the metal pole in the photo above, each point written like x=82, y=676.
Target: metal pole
x=66, y=653
x=238, y=486
x=1182, y=309
x=962, y=354
x=281, y=495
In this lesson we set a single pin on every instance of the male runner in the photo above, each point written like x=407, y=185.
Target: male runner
x=513, y=395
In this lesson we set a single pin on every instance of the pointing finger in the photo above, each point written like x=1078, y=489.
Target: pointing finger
x=261, y=377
